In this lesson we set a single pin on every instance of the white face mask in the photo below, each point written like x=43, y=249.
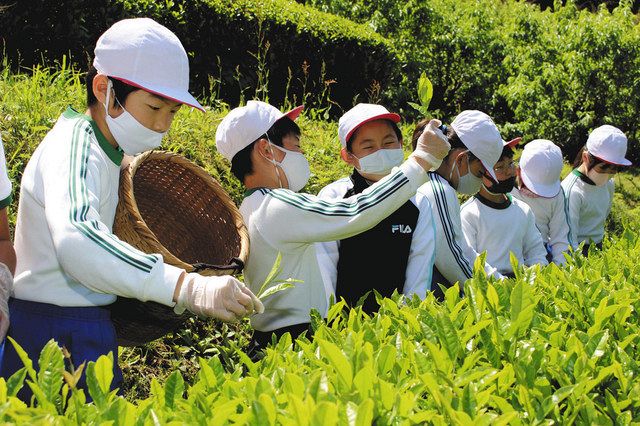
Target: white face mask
x=600, y=179
x=295, y=167
x=468, y=184
x=131, y=136
x=381, y=162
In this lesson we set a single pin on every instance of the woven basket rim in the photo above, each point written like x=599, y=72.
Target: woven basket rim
x=140, y=226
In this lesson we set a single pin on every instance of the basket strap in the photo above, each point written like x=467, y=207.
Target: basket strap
x=235, y=263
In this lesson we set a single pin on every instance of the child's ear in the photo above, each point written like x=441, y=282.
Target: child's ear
x=347, y=157
x=99, y=87
x=585, y=158
x=262, y=148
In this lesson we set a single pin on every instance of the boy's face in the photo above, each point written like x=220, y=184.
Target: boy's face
x=290, y=142
x=273, y=176
x=458, y=158
x=369, y=138
x=152, y=111
x=505, y=169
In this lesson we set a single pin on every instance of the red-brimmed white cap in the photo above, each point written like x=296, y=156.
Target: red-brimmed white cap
x=245, y=124
x=359, y=115
x=512, y=143
x=481, y=136
x=609, y=144
x=146, y=55
x=540, y=167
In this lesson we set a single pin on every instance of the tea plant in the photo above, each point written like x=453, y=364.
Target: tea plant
x=553, y=345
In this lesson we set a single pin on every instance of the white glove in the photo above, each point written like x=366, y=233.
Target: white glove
x=224, y=298
x=6, y=286
x=432, y=145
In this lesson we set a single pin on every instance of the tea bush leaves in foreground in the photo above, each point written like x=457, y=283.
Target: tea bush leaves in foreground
x=553, y=345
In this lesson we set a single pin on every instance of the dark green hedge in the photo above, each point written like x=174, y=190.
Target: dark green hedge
x=303, y=50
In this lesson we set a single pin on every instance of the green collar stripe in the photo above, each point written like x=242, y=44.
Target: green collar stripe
x=4, y=203
x=248, y=192
x=583, y=177
x=114, y=154
x=492, y=204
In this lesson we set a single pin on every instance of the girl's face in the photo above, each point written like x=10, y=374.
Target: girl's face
x=601, y=167
x=606, y=168
x=371, y=137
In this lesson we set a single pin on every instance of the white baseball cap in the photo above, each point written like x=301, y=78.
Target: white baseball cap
x=512, y=143
x=245, y=124
x=359, y=115
x=540, y=167
x=479, y=134
x=144, y=54
x=608, y=143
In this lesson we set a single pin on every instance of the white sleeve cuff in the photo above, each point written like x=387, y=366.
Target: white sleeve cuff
x=414, y=172
x=429, y=158
x=161, y=290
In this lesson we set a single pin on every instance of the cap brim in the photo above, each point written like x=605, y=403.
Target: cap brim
x=388, y=116
x=180, y=96
x=490, y=171
x=294, y=113
x=619, y=162
x=546, y=191
x=512, y=142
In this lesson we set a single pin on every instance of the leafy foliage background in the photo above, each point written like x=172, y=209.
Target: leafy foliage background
x=556, y=345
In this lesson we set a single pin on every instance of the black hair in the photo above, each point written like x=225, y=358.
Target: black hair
x=121, y=90
x=393, y=125
x=507, y=152
x=241, y=164
x=452, y=137
x=591, y=162
x=418, y=131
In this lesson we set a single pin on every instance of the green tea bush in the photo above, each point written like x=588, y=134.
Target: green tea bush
x=539, y=74
x=459, y=44
x=33, y=31
x=554, y=345
x=573, y=71
x=275, y=49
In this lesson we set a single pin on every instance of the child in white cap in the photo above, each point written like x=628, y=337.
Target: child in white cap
x=404, y=242
x=538, y=185
x=476, y=145
x=263, y=145
x=7, y=252
x=589, y=187
x=70, y=265
x=495, y=222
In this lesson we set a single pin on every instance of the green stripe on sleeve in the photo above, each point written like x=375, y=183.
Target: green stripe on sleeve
x=79, y=194
x=342, y=208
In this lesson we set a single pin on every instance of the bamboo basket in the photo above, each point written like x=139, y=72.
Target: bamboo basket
x=171, y=206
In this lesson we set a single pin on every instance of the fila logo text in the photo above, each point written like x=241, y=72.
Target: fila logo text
x=403, y=229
